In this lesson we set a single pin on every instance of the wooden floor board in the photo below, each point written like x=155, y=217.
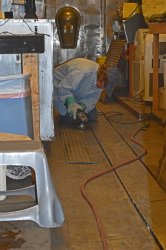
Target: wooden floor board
x=124, y=199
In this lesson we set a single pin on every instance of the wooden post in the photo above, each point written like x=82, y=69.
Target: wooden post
x=156, y=29
x=30, y=66
x=155, y=71
x=131, y=59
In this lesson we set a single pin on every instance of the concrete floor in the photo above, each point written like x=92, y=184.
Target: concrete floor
x=129, y=202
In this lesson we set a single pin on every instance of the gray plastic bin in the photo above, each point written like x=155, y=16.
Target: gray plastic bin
x=15, y=105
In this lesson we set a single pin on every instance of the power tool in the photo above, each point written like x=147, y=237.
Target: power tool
x=82, y=118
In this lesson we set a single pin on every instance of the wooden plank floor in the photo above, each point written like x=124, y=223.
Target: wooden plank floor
x=128, y=201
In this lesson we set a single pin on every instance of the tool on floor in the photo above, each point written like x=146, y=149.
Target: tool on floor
x=82, y=118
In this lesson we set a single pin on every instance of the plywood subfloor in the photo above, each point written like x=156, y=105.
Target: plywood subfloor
x=129, y=202
x=75, y=145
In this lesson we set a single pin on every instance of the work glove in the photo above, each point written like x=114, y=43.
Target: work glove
x=72, y=106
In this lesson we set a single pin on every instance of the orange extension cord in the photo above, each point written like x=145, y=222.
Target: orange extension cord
x=84, y=194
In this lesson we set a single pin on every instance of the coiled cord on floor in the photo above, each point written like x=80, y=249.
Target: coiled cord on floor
x=85, y=195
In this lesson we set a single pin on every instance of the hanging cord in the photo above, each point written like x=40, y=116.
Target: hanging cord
x=109, y=118
x=116, y=121
x=85, y=195
x=117, y=113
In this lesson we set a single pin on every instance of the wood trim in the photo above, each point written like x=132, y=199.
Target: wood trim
x=155, y=72
x=131, y=59
x=157, y=28
x=30, y=66
x=13, y=137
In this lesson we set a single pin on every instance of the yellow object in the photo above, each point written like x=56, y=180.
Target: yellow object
x=2, y=16
x=101, y=60
x=154, y=9
x=129, y=9
x=18, y=1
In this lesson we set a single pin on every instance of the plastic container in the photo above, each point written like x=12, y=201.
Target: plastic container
x=15, y=105
x=101, y=60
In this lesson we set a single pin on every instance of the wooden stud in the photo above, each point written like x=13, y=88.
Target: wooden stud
x=30, y=66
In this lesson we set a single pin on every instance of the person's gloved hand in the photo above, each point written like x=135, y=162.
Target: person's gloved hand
x=72, y=109
x=72, y=106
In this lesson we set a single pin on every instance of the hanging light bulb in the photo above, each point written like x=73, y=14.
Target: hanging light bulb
x=68, y=24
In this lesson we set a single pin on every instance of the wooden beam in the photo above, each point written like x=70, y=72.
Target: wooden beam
x=157, y=28
x=30, y=66
x=131, y=59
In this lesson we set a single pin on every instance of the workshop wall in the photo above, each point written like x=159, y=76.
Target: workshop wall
x=95, y=31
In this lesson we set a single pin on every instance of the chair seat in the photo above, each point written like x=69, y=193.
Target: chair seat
x=48, y=211
x=8, y=137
